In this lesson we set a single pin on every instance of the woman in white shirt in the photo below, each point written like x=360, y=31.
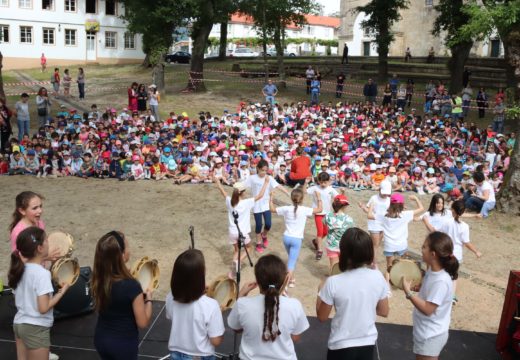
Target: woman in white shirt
x=358, y=294
x=295, y=217
x=432, y=312
x=270, y=322
x=436, y=213
x=197, y=326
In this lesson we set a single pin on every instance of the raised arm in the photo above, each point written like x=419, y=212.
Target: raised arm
x=420, y=207
x=264, y=187
x=219, y=186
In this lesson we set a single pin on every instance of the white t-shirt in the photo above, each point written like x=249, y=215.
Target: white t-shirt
x=243, y=208
x=486, y=186
x=248, y=314
x=354, y=294
x=458, y=232
x=193, y=324
x=36, y=281
x=380, y=207
x=327, y=196
x=294, y=223
x=437, y=288
x=395, y=231
x=437, y=219
x=256, y=183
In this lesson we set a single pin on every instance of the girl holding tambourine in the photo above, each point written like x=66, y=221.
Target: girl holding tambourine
x=432, y=312
x=270, y=322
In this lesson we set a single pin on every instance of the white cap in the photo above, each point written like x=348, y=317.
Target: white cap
x=239, y=186
x=386, y=188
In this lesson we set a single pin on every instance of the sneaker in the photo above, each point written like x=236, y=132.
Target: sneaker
x=319, y=254
x=265, y=240
x=315, y=244
x=455, y=300
x=292, y=283
x=259, y=248
x=53, y=356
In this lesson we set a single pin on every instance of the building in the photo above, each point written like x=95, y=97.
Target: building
x=317, y=28
x=67, y=32
x=413, y=30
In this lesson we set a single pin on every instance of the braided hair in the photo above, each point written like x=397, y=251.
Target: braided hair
x=270, y=272
x=297, y=198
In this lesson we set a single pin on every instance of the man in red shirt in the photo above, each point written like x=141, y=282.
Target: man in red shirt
x=300, y=168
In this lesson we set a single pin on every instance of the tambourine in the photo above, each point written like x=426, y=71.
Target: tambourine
x=224, y=290
x=409, y=269
x=62, y=241
x=334, y=270
x=146, y=271
x=65, y=270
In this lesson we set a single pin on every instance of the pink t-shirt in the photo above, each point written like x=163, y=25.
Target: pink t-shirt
x=21, y=226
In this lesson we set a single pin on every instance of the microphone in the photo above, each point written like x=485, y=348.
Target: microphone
x=235, y=214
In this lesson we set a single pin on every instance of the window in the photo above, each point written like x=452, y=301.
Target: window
x=48, y=36
x=26, y=34
x=110, y=39
x=366, y=32
x=25, y=4
x=110, y=7
x=429, y=2
x=4, y=34
x=47, y=4
x=70, y=5
x=4, y=3
x=90, y=7
x=129, y=40
x=310, y=30
x=70, y=37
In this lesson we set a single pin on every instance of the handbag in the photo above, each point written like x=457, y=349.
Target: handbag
x=42, y=111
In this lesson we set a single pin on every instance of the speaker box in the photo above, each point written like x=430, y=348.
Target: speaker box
x=77, y=300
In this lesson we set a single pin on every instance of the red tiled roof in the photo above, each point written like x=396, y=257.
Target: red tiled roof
x=328, y=21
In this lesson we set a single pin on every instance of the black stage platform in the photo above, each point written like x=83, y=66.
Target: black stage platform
x=73, y=339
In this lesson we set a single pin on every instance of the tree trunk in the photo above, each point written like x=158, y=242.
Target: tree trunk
x=200, y=41
x=508, y=199
x=511, y=79
x=278, y=43
x=2, y=93
x=382, y=57
x=222, y=50
x=146, y=61
x=158, y=76
x=459, y=56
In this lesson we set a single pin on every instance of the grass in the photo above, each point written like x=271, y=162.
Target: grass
x=106, y=86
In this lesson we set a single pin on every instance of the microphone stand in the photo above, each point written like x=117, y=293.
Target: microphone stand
x=191, y=229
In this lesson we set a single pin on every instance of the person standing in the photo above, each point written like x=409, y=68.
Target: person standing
x=344, y=59
x=370, y=91
x=409, y=92
x=499, y=112
x=154, y=97
x=22, y=116
x=269, y=91
x=467, y=93
x=56, y=81
x=43, y=62
x=431, y=56
x=43, y=104
x=81, y=83
x=482, y=102
x=67, y=81
x=309, y=75
x=340, y=80
x=407, y=55
x=132, y=97
x=5, y=126
x=315, y=90
x=394, y=83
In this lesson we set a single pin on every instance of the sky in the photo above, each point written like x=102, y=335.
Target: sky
x=329, y=6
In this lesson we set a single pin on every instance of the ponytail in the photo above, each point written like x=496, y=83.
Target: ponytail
x=297, y=198
x=235, y=198
x=270, y=330
x=442, y=245
x=27, y=244
x=16, y=270
x=337, y=206
x=459, y=208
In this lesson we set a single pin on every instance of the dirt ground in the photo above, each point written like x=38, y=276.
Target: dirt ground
x=155, y=217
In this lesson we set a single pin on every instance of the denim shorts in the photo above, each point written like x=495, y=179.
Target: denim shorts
x=176, y=355
x=395, y=253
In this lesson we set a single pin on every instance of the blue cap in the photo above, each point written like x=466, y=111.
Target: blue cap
x=31, y=153
x=167, y=149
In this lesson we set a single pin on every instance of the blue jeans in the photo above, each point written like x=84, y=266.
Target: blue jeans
x=498, y=126
x=465, y=107
x=23, y=128
x=292, y=246
x=81, y=89
x=175, y=355
x=269, y=99
x=266, y=215
x=479, y=205
x=315, y=97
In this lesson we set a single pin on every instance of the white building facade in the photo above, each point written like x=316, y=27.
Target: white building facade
x=67, y=32
x=317, y=28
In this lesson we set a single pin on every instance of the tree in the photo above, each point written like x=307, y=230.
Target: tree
x=451, y=17
x=271, y=18
x=382, y=14
x=156, y=21
x=504, y=16
x=2, y=93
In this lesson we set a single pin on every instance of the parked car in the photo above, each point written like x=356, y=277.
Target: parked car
x=182, y=57
x=243, y=52
x=272, y=52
